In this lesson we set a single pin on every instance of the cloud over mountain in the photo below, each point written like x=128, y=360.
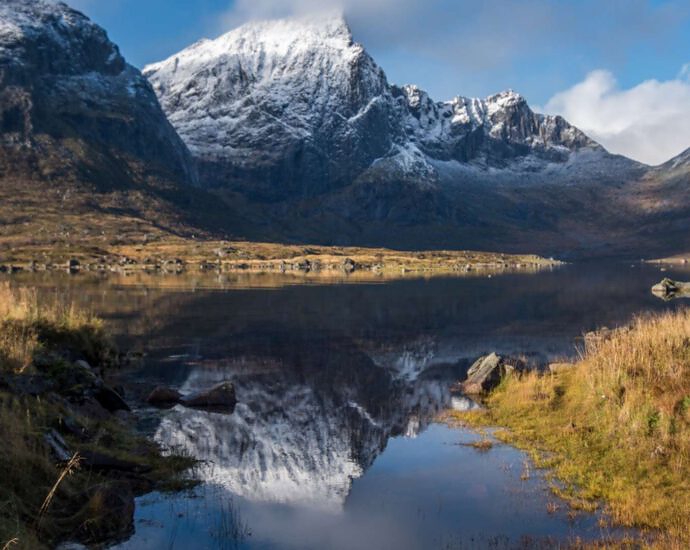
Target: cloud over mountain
x=649, y=122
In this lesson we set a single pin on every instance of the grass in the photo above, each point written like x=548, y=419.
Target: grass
x=42, y=502
x=615, y=428
x=29, y=327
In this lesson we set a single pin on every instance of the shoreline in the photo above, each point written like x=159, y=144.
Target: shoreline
x=189, y=256
x=73, y=460
x=612, y=429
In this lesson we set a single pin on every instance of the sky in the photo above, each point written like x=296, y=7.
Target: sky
x=617, y=69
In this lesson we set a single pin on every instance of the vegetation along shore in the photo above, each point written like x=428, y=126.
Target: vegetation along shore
x=72, y=460
x=613, y=428
x=177, y=255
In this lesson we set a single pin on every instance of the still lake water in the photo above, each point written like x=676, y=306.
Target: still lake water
x=334, y=443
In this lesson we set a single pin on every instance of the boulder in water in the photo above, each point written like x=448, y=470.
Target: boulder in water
x=221, y=397
x=487, y=372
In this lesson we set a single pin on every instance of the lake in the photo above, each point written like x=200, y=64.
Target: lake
x=335, y=442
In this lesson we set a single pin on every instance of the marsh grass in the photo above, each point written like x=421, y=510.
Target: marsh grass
x=230, y=530
x=29, y=325
x=42, y=502
x=615, y=427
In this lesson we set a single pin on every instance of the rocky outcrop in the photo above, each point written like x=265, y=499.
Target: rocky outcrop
x=71, y=106
x=487, y=372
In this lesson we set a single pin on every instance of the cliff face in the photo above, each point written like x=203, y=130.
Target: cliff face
x=280, y=109
x=71, y=108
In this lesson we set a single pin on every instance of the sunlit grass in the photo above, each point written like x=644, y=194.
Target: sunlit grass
x=615, y=427
x=27, y=324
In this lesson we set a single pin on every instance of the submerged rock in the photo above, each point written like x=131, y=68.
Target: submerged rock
x=668, y=289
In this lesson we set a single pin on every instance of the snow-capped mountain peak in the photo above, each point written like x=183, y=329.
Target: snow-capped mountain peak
x=294, y=108
x=301, y=85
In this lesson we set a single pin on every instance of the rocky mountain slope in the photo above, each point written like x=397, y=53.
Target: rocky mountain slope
x=296, y=107
x=295, y=121
x=85, y=149
x=67, y=89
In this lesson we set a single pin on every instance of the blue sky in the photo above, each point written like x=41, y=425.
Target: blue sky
x=548, y=50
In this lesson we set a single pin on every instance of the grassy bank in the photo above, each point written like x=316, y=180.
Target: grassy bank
x=88, y=494
x=614, y=428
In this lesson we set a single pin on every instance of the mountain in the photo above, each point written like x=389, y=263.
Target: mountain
x=289, y=131
x=279, y=109
x=296, y=107
x=296, y=122
x=85, y=148
x=66, y=88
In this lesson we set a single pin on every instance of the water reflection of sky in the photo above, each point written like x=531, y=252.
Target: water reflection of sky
x=424, y=492
x=332, y=444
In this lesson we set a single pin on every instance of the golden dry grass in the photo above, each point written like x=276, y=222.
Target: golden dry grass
x=615, y=427
x=22, y=316
x=41, y=502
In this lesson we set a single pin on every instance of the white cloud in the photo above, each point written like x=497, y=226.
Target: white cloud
x=245, y=10
x=649, y=122
x=469, y=34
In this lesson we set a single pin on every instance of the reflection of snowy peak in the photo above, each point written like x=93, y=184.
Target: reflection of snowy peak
x=292, y=441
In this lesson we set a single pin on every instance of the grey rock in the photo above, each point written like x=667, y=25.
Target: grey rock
x=57, y=446
x=487, y=372
x=219, y=397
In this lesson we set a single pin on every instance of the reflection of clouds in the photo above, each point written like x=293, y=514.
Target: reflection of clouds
x=292, y=441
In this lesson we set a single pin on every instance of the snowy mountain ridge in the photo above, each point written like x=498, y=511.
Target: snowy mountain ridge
x=296, y=106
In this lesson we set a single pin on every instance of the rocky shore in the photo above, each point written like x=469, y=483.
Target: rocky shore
x=73, y=460
x=185, y=256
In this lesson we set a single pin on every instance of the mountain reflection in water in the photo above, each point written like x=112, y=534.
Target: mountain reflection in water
x=332, y=443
